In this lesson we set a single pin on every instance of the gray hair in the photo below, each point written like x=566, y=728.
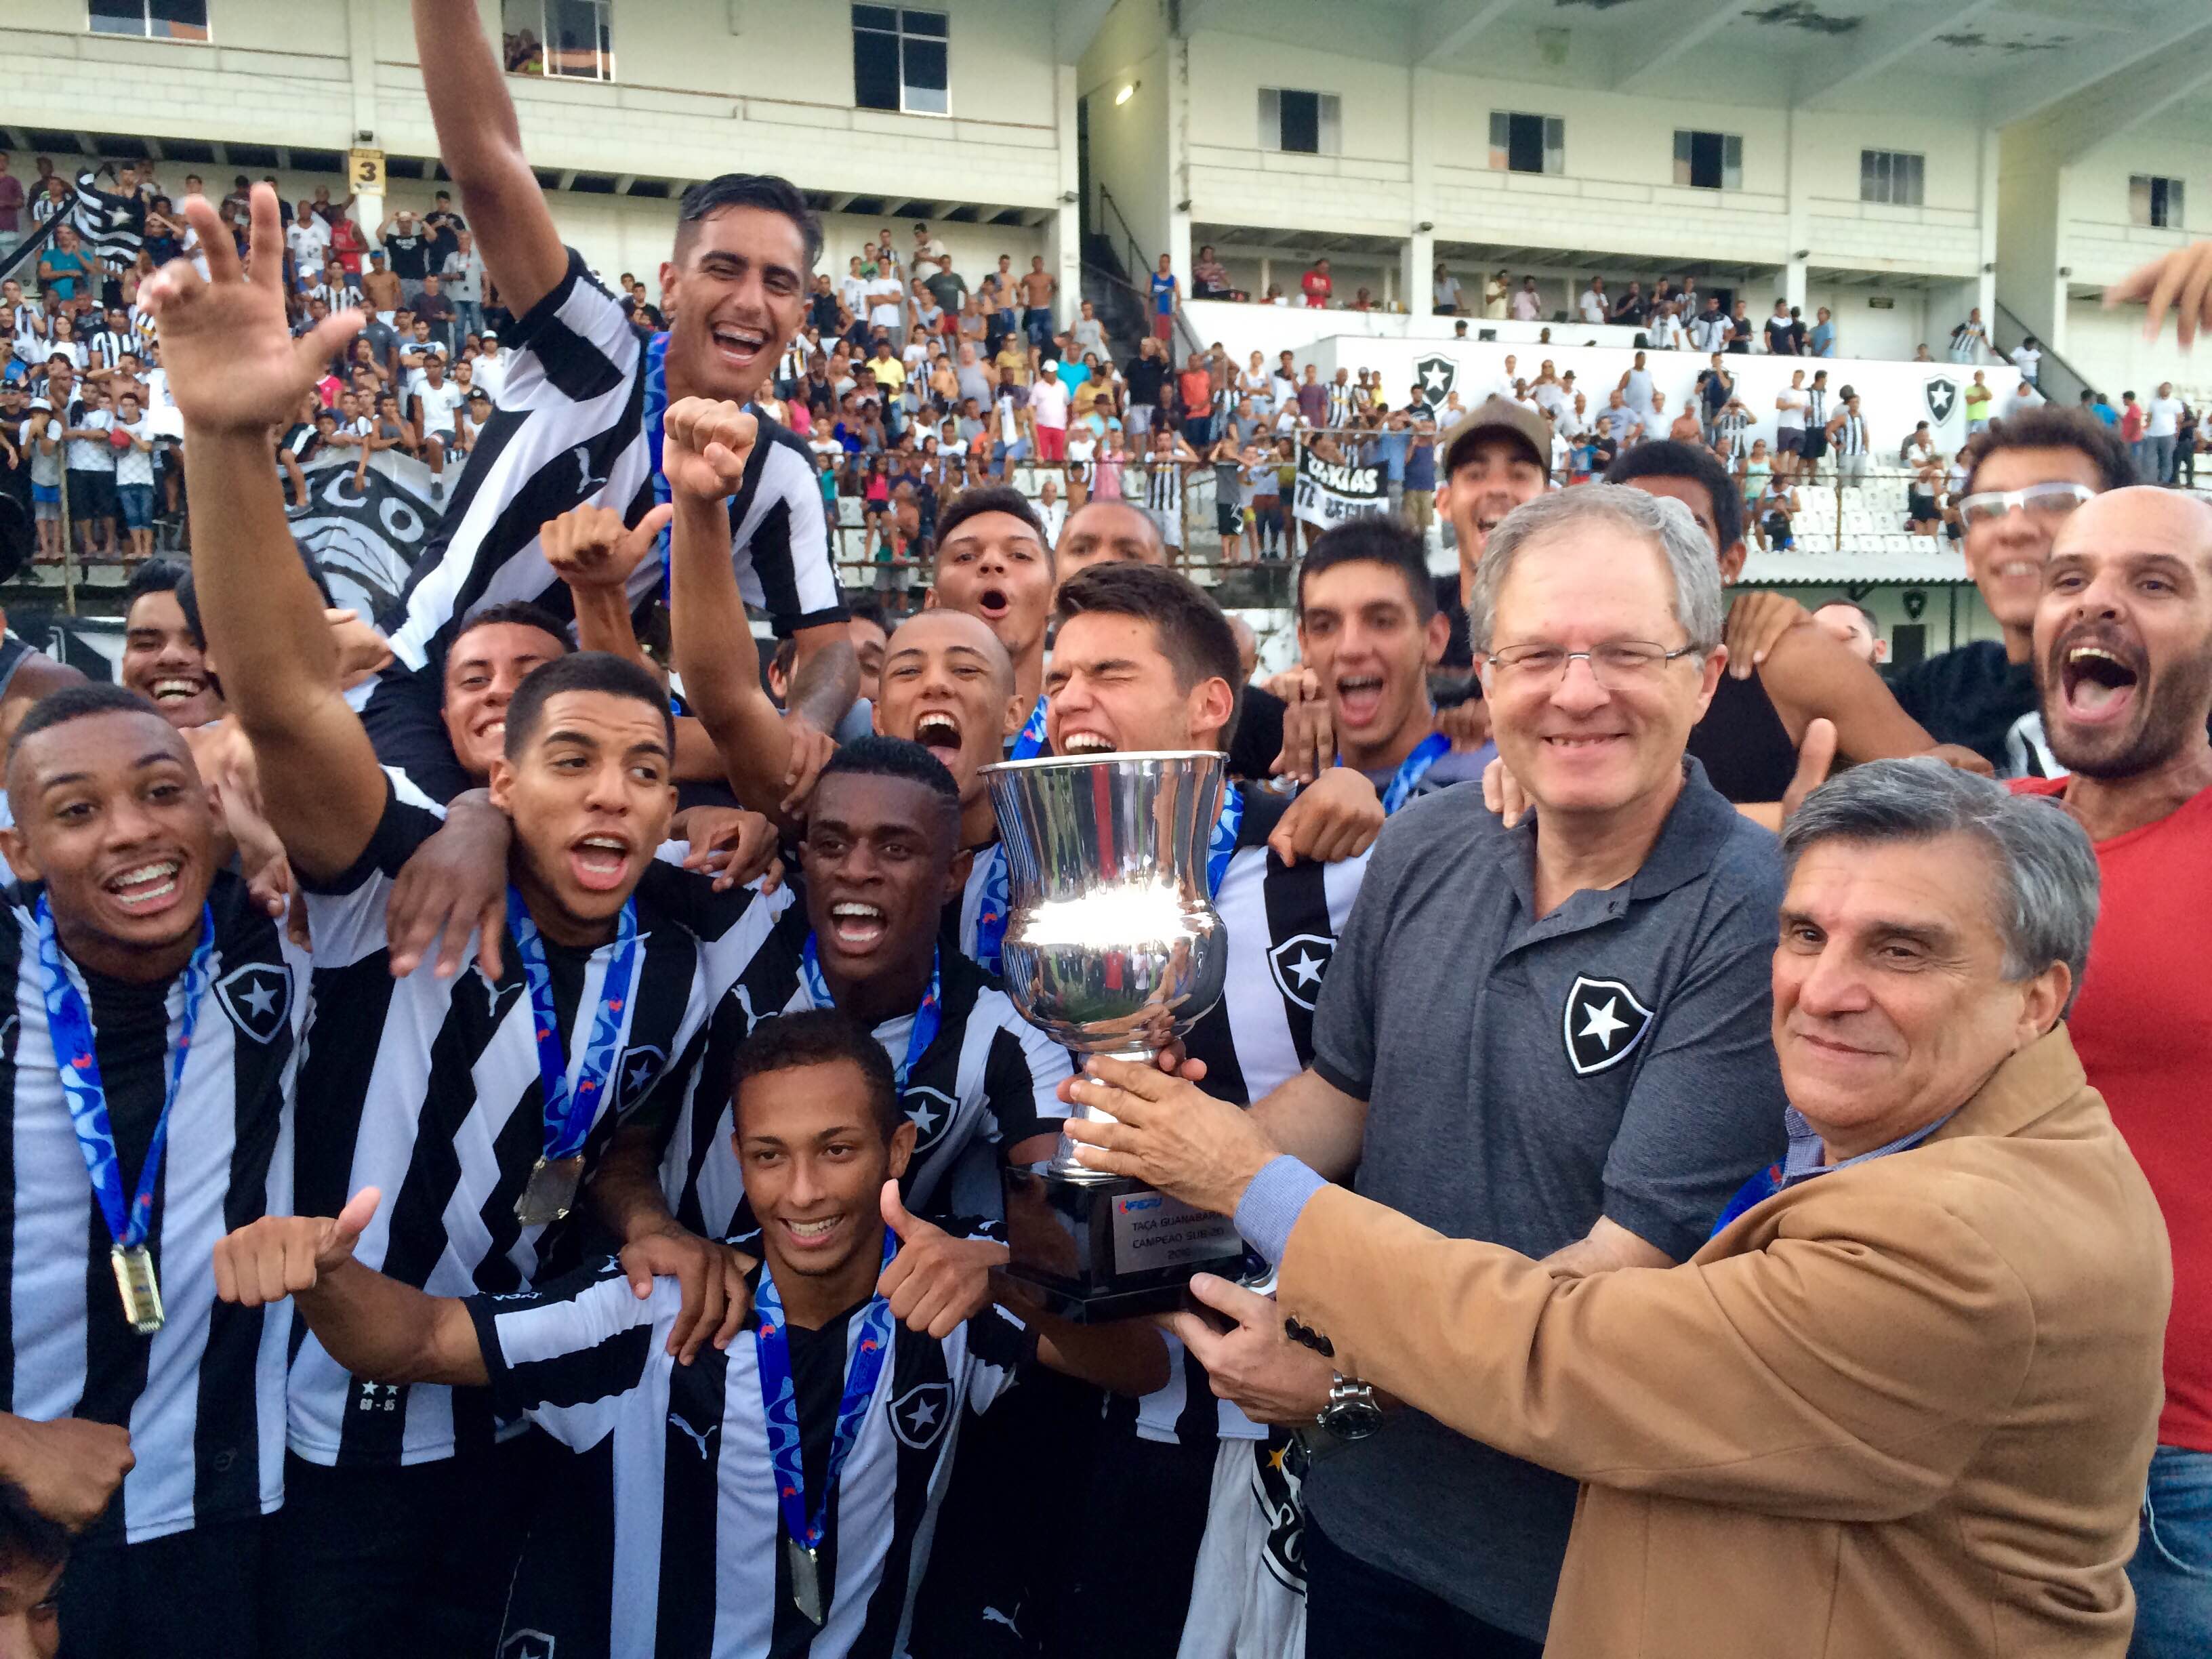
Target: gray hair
x=2047, y=870
x=1664, y=523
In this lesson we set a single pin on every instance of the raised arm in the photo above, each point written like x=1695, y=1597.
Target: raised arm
x=236, y=373
x=481, y=144
x=703, y=456
x=374, y=1327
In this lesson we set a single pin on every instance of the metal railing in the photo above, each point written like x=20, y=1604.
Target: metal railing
x=2058, y=381
x=1137, y=263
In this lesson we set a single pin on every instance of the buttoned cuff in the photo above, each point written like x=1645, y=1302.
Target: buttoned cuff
x=1271, y=1204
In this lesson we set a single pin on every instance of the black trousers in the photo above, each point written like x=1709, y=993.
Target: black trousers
x=376, y=1563
x=1358, y=1611
x=1135, y=1550
x=193, y=1595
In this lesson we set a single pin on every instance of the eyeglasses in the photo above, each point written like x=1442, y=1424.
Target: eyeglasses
x=1617, y=664
x=2044, y=500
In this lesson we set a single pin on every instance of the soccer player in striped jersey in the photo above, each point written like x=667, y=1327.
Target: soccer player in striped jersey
x=776, y=1498
x=150, y=1045
x=479, y=1100
x=1145, y=660
x=978, y=1083
x=579, y=412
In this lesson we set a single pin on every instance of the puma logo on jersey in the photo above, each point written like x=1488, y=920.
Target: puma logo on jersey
x=696, y=1437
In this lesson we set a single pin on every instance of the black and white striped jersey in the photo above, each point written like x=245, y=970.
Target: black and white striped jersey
x=1283, y=921
x=429, y=1090
x=570, y=430
x=670, y=1540
x=204, y=1396
x=989, y=1082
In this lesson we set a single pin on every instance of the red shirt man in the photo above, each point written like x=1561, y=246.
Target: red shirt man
x=1317, y=285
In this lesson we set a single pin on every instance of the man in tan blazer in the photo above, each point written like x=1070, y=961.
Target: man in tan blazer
x=1902, y=1402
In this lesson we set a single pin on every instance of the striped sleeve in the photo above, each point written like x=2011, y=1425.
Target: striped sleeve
x=999, y=1345
x=566, y=1354
x=781, y=539
x=346, y=912
x=1022, y=1081
x=574, y=346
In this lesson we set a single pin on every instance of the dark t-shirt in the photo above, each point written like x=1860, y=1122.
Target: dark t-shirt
x=1147, y=375
x=947, y=289
x=1743, y=743
x=410, y=255
x=1969, y=695
x=1259, y=735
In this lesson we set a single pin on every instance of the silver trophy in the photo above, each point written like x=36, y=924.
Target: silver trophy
x=1112, y=947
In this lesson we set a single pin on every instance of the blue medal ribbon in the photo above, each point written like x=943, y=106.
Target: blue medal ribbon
x=779, y=1403
x=1223, y=847
x=1029, y=742
x=571, y=1111
x=1411, y=770
x=928, y=1018
x=69, y=1025
x=656, y=408
x=991, y=913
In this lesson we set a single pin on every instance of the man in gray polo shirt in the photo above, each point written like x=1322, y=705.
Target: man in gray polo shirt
x=1553, y=1037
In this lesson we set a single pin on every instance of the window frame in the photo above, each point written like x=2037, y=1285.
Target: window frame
x=145, y=31
x=899, y=36
x=1553, y=136
x=2164, y=199
x=1893, y=169
x=1329, y=121
x=604, y=49
x=1731, y=171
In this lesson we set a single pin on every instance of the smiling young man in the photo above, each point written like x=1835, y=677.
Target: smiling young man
x=2123, y=654
x=164, y=660
x=480, y=1103
x=581, y=408
x=778, y=1496
x=152, y=1043
x=1144, y=660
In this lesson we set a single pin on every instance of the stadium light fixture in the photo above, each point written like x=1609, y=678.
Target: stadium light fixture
x=1126, y=93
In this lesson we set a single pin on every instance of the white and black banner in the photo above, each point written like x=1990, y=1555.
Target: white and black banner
x=365, y=526
x=1331, y=493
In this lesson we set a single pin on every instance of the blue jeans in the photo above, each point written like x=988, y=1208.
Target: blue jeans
x=2171, y=1571
x=1355, y=1610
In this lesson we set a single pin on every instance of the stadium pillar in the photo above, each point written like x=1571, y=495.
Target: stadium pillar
x=361, y=70
x=1418, y=263
x=1799, y=226
x=1063, y=231
x=1985, y=292
x=1178, y=247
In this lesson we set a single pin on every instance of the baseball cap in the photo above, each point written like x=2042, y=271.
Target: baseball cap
x=488, y=334
x=1496, y=414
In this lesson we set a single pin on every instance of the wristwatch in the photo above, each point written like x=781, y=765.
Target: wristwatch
x=1352, y=1413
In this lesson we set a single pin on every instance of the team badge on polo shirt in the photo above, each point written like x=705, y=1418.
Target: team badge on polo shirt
x=528, y=1644
x=1604, y=1022
x=257, y=997
x=919, y=1416
x=1299, y=964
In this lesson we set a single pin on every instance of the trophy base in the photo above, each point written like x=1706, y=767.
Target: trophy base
x=1097, y=1249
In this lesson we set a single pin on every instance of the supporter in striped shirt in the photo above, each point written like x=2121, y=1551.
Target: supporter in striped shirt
x=778, y=1497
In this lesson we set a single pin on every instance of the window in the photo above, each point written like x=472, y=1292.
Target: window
x=1892, y=176
x=1303, y=123
x=898, y=60
x=567, y=38
x=1527, y=144
x=155, y=20
x=2155, y=201
x=1708, y=161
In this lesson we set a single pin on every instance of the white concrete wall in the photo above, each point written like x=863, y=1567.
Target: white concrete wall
x=693, y=96
x=1130, y=150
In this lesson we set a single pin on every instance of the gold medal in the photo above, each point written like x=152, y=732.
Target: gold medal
x=805, y=1579
x=142, y=1292
x=551, y=1192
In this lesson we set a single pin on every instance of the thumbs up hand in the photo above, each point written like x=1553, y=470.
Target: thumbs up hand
x=936, y=1282
x=277, y=1256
